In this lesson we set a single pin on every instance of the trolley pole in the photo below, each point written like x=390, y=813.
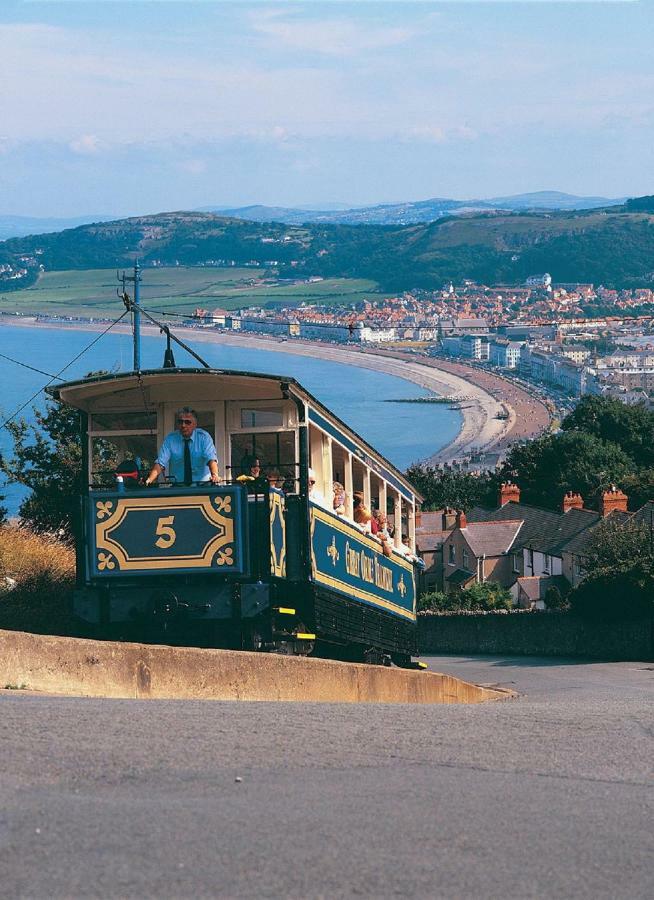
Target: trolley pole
x=137, y=317
x=135, y=309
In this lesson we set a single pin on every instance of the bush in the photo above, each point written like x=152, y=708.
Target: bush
x=434, y=602
x=478, y=597
x=554, y=599
x=37, y=574
x=617, y=596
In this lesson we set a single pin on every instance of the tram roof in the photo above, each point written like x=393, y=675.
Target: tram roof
x=84, y=392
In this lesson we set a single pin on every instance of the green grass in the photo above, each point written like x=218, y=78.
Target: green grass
x=93, y=292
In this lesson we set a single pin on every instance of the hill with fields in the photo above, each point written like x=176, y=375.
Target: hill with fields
x=613, y=246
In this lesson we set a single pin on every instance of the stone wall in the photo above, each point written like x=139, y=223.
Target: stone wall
x=534, y=634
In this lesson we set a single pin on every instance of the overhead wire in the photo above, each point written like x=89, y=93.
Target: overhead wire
x=26, y=366
x=61, y=371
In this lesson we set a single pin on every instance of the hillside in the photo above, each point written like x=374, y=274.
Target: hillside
x=612, y=246
x=413, y=212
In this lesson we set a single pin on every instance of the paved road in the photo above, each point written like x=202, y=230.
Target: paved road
x=550, y=795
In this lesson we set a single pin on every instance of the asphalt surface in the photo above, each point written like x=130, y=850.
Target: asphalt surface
x=548, y=795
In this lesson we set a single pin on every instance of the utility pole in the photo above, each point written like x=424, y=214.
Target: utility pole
x=134, y=306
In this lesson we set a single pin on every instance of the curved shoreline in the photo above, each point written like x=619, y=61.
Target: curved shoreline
x=480, y=432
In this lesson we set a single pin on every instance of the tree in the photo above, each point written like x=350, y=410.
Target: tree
x=620, y=584
x=630, y=427
x=615, y=596
x=47, y=458
x=550, y=466
x=639, y=487
x=448, y=487
x=613, y=547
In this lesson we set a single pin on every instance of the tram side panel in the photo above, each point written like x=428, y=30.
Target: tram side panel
x=361, y=595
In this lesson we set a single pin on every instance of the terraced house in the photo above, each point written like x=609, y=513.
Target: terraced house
x=526, y=548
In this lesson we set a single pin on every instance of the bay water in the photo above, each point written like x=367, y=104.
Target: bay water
x=403, y=432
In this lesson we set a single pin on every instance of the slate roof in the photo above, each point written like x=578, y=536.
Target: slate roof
x=579, y=543
x=491, y=538
x=542, y=529
x=430, y=534
x=644, y=515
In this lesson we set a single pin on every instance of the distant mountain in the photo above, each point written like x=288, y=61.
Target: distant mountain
x=20, y=226
x=611, y=246
x=552, y=200
x=414, y=212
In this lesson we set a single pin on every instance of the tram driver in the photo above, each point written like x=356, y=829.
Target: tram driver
x=188, y=454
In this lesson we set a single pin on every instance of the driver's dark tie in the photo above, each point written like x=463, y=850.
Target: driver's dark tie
x=188, y=469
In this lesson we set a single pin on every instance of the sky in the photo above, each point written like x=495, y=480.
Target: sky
x=124, y=108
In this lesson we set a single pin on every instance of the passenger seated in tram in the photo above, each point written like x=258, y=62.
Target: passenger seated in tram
x=380, y=524
x=251, y=475
x=339, y=499
x=408, y=553
x=275, y=479
x=361, y=514
x=187, y=454
x=128, y=473
x=315, y=495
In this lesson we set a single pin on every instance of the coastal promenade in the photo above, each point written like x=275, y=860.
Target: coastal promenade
x=484, y=395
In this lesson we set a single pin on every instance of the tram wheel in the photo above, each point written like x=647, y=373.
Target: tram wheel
x=373, y=656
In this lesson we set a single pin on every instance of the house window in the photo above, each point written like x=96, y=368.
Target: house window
x=546, y=564
x=530, y=560
x=516, y=562
x=452, y=554
x=465, y=558
x=578, y=567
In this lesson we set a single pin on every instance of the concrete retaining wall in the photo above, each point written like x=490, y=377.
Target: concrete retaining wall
x=107, y=669
x=535, y=634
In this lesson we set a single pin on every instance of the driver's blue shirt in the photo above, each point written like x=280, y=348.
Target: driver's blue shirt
x=171, y=455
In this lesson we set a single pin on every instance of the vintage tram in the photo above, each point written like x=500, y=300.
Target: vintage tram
x=261, y=564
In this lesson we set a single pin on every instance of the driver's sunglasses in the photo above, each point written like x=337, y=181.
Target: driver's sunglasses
x=185, y=421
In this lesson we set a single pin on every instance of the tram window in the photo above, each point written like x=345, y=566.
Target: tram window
x=207, y=421
x=272, y=417
x=274, y=450
x=125, y=421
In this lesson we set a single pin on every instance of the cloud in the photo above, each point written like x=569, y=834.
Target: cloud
x=441, y=134
x=330, y=36
x=193, y=166
x=86, y=145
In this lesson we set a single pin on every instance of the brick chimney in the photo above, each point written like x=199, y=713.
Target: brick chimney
x=461, y=521
x=611, y=500
x=509, y=493
x=572, y=501
x=449, y=518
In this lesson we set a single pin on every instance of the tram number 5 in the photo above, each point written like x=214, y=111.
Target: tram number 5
x=167, y=532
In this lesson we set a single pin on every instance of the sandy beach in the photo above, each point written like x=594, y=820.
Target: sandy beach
x=482, y=394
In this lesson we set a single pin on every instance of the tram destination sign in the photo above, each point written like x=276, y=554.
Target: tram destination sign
x=344, y=559
x=194, y=530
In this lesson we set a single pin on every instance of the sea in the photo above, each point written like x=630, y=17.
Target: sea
x=403, y=432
